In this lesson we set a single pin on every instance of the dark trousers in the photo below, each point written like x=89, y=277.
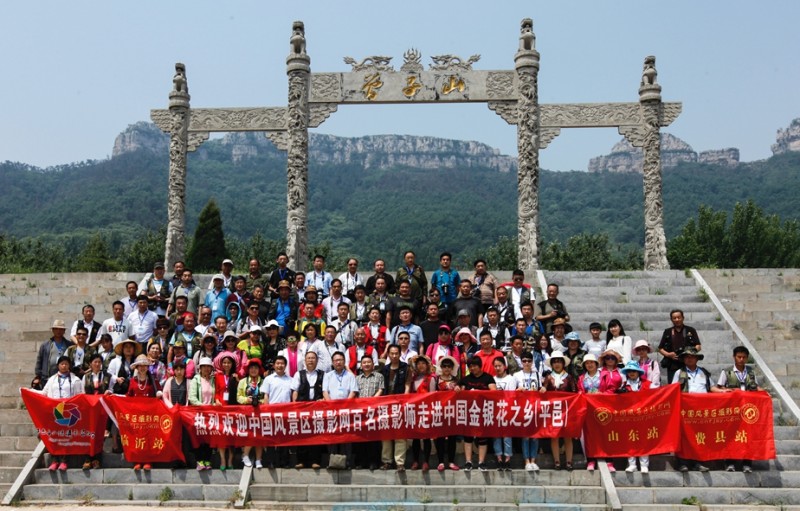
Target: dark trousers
x=367, y=454
x=446, y=445
x=426, y=450
x=309, y=454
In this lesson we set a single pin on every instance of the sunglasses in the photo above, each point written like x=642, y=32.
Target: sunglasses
x=527, y=360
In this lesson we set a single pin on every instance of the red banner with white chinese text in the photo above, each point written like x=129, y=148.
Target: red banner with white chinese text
x=632, y=424
x=734, y=425
x=149, y=431
x=74, y=425
x=436, y=414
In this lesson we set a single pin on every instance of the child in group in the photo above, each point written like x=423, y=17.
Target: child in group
x=652, y=371
x=503, y=381
x=634, y=382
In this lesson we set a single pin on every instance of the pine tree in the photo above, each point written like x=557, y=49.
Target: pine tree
x=208, y=248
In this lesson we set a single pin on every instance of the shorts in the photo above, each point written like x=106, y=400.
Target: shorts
x=478, y=441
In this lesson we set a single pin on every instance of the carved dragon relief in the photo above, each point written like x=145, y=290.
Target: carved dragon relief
x=371, y=63
x=162, y=119
x=452, y=63
x=505, y=109
x=325, y=87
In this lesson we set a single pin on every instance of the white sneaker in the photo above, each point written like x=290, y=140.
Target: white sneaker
x=258, y=464
x=246, y=461
x=631, y=468
x=529, y=467
x=645, y=470
x=535, y=467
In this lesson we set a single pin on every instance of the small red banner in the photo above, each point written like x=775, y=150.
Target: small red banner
x=74, y=425
x=432, y=415
x=149, y=431
x=632, y=424
x=734, y=425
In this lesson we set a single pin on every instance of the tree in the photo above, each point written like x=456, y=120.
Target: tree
x=208, y=248
x=146, y=249
x=96, y=256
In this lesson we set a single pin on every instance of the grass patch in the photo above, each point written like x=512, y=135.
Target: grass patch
x=659, y=292
x=691, y=501
x=166, y=494
x=643, y=327
x=703, y=295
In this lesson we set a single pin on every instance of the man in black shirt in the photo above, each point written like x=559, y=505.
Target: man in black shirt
x=476, y=380
x=674, y=341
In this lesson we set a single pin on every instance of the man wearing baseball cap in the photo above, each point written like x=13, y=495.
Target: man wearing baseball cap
x=226, y=271
x=157, y=288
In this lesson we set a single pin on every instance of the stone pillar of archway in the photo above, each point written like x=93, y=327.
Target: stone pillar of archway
x=526, y=63
x=178, y=142
x=298, y=68
x=655, y=241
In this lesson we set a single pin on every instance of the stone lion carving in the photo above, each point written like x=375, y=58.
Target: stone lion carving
x=649, y=72
x=179, y=84
x=527, y=39
x=297, y=43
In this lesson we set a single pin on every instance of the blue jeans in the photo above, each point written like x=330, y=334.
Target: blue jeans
x=530, y=448
x=502, y=447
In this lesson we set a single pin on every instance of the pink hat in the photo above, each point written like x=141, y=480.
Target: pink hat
x=218, y=360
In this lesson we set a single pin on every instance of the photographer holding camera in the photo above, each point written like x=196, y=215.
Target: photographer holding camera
x=551, y=309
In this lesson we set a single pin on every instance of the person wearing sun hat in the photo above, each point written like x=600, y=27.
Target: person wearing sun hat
x=634, y=382
x=49, y=353
x=249, y=393
x=652, y=371
x=201, y=392
x=589, y=383
x=559, y=380
x=142, y=383
x=573, y=350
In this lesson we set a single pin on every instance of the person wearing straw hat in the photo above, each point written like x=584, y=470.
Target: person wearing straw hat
x=610, y=377
x=447, y=379
x=652, y=371
x=696, y=380
x=49, y=353
x=559, y=380
x=634, y=382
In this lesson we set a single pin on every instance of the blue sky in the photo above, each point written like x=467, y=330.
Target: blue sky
x=77, y=73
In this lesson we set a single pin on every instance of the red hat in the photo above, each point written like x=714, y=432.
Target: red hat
x=256, y=361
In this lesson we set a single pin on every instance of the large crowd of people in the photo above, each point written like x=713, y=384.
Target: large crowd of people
x=291, y=336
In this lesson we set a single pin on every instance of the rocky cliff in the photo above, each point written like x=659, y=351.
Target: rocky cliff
x=788, y=139
x=626, y=158
x=372, y=152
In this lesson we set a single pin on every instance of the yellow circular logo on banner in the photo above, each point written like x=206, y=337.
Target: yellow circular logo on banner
x=750, y=413
x=603, y=415
x=166, y=423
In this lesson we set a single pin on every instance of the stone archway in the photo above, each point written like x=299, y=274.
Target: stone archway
x=512, y=94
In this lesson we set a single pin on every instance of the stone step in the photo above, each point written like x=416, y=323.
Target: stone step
x=475, y=492
x=19, y=443
x=18, y=430
x=128, y=476
x=516, y=477
x=716, y=495
x=36, y=493
x=14, y=458
x=714, y=478
x=419, y=506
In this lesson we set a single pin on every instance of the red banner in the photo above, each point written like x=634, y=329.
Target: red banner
x=149, y=431
x=68, y=426
x=432, y=415
x=632, y=424
x=735, y=425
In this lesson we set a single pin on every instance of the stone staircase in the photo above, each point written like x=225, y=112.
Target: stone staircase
x=640, y=300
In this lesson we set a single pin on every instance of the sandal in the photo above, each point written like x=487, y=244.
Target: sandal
x=557, y=465
x=569, y=466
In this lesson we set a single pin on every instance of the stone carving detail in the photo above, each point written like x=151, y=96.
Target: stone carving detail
x=452, y=63
x=176, y=191
x=196, y=139
x=634, y=134
x=412, y=61
x=179, y=84
x=297, y=167
x=237, y=119
x=527, y=169
x=527, y=39
x=649, y=72
x=655, y=241
x=546, y=135
x=505, y=109
x=318, y=112
x=279, y=138
x=325, y=87
x=297, y=42
x=499, y=84
x=162, y=119
x=591, y=114
x=373, y=63
x=669, y=112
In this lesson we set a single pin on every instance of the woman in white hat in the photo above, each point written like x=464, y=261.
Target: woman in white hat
x=589, y=383
x=652, y=371
x=201, y=392
x=559, y=380
x=634, y=382
x=64, y=384
x=142, y=383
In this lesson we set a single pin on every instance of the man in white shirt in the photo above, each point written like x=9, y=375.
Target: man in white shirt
x=227, y=275
x=92, y=327
x=277, y=388
x=325, y=349
x=351, y=278
x=142, y=321
x=319, y=278
x=340, y=384
x=116, y=326
x=330, y=304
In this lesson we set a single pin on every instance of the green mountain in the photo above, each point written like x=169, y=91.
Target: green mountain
x=370, y=197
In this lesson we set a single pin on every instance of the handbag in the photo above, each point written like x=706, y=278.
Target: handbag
x=337, y=461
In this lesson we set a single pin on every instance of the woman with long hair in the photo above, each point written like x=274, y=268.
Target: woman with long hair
x=226, y=385
x=617, y=340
